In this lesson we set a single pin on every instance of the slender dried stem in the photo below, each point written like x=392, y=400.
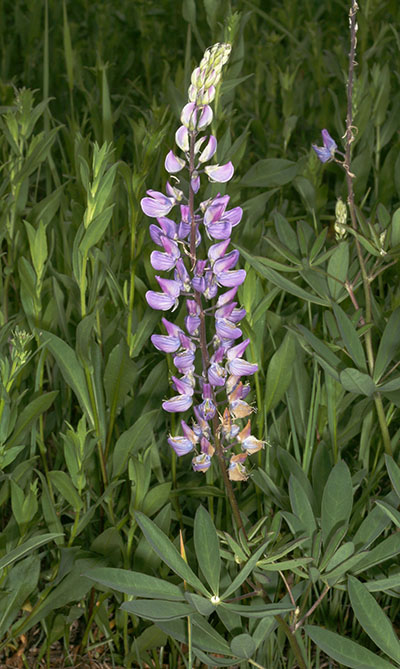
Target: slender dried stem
x=352, y=208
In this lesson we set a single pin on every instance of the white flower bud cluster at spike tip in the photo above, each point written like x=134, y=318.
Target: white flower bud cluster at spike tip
x=206, y=77
x=207, y=353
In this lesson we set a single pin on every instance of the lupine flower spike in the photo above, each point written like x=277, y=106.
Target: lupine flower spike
x=208, y=356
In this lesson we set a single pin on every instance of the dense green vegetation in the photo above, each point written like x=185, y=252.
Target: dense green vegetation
x=91, y=94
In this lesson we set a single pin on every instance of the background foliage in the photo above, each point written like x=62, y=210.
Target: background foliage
x=90, y=100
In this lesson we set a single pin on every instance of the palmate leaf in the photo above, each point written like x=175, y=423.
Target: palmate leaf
x=166, y=550
x=372, y=619
x=345, y=651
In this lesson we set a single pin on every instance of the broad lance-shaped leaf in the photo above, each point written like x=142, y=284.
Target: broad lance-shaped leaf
x=207, y=548
x=243, y=645
x=258, y=610
x=357, y=382
x=27, y=547
x=70, y=369
x=389, y=344
x=394, y=473
x=338, y=266
x=166, y=550
x=337, y=500
x=345, y=651
x=245, y=571
x=29, y=415
x=390, y=511
x=350, y=338
x=158, y=610
x=270, y=172
x=373, y=620
x=278, y=280
x=279, y=372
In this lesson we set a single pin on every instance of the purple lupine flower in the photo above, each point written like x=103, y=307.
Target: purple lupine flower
x=326, y=152
x=198, y=281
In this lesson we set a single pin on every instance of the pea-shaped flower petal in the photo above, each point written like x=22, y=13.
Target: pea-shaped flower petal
x=220, y=173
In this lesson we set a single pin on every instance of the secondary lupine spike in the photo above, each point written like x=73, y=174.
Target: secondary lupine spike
x=205, y=374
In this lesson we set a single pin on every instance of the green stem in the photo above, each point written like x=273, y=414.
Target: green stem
x=131, y=284
x=83, y=286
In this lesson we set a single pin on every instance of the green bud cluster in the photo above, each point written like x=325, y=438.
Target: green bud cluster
x=341, y=218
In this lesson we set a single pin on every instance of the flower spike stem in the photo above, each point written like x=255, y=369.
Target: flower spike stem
x=352, y=208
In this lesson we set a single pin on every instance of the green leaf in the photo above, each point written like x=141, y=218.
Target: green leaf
x=29, y=415
x=166, y=550
x=137, y=436
x=389, y=344
x=202, y=605
x=204, y=635
x=73, y=588
x=119, y=376
x=338, y=266
x=395, y=226
x=156, y=498
x=96, y=230
x=390, y=511
x=158, y=610
x=344, y=650
x=394, y=473
x=384, y=584
x=64, y=485
x=207, y=548
x=320, y=347
x=337, y=500
x=350, y=337
x=270, y=172
x=372, y=619
x=388, y=548
x=279, y=372
x=243, y=645
x=258, y=610
x=27, y=547
x=262, y=268
x=20, y=583
x=245, y=571
x=70, y=369
x=357, y=382
x=301, y=505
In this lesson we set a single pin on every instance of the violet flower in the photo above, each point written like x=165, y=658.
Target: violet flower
x=326, y=152
x=208, y=352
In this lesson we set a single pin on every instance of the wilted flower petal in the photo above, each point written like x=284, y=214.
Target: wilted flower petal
x=181, y=445
x=201, y=463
